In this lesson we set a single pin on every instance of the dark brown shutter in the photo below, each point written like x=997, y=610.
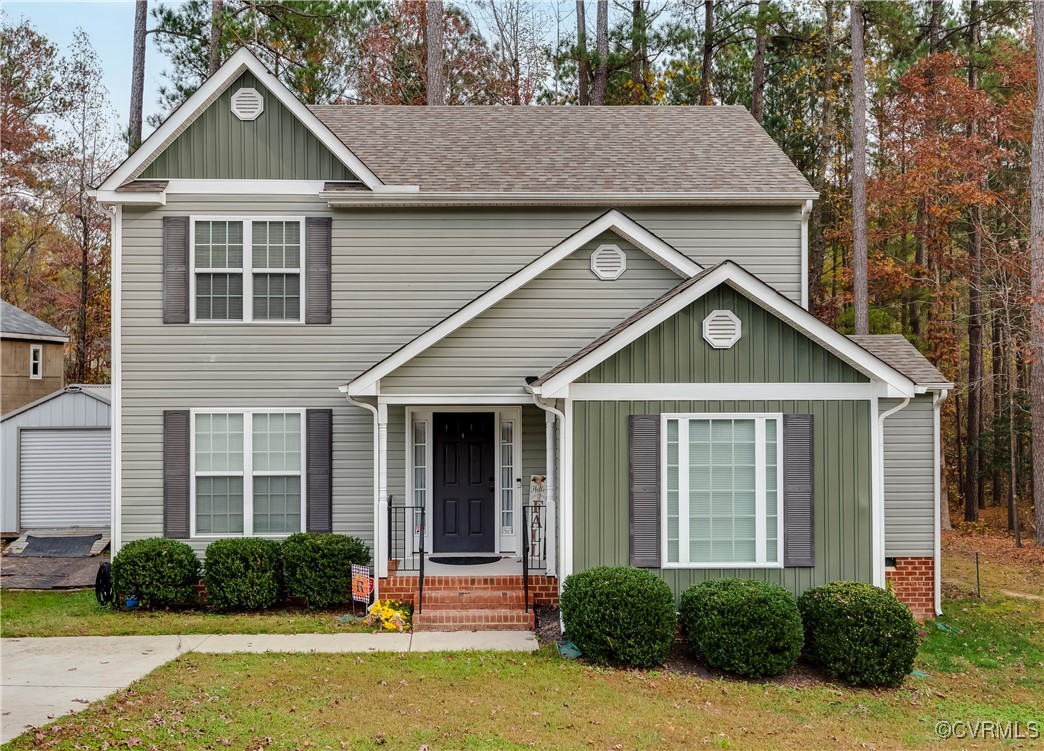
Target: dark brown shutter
x=798, y=492
x=319, y=461
x=176, y=473
x=175, y=269
x=318, y=233
x=644, y=439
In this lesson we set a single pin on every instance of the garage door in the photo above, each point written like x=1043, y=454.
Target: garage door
x=63, y=478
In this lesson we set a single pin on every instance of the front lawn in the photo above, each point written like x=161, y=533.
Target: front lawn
x=78, y=614
x=991, y=670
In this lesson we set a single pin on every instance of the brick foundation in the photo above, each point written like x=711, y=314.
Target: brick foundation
x=913, y=581
x=543, y=590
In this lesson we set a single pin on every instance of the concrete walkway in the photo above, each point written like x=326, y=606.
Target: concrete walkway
x=45, y=678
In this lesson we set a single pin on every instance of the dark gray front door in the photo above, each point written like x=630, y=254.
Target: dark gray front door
x=464, y=486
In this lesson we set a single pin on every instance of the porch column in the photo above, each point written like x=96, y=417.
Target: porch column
x=381, y=552
x=552, y=490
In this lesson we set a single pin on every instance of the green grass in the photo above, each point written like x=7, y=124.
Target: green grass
x=78, y=614
x=993, y=670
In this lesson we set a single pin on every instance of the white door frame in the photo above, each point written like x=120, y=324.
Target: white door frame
x=499, y=413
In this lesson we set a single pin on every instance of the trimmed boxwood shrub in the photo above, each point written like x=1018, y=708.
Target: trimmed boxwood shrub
x=859, y=633
x=158, y=571
x=242, y=573
x=317, y=568
x=619, y=616
x=750, y=628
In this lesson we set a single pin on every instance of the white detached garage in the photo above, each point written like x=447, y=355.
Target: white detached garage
x=56, y=457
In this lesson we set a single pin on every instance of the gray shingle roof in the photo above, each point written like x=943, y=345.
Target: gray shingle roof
x=566, y=149
x=896, y=350
x=16, y=321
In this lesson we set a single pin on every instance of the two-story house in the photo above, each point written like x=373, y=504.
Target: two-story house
x=469, y=333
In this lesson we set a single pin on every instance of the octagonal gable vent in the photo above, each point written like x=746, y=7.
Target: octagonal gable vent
x=722, y=329
x=608, y=262
x=247, y=104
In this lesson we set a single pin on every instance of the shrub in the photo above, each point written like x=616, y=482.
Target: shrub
x=619, y=616
x=318, y=567
x=859, y=633
x=242, y=573
x=750, y=628
x=158, y=571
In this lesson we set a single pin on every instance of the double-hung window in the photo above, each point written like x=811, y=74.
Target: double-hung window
x=247, y=473
x=36, y=361
x=247, y=269
x=722, y=496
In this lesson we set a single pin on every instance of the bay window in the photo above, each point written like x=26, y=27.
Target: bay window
x=722, y=491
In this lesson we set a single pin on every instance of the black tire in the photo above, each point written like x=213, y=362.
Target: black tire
x=103, y=584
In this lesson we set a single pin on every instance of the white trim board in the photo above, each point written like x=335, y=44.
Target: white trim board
x=241, y=61
x=556, y=385
x=366, y=384
x=726, y=392
x=402, y=198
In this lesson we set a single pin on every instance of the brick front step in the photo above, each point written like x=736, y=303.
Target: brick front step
x=473, y=620
x=472, y=592
x=473, y=598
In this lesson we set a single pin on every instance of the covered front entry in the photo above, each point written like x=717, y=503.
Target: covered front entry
x=464, y=482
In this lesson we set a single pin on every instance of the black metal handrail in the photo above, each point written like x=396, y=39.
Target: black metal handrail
x=534, y=543
x=406, y=531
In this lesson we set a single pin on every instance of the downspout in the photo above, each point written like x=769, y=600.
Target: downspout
x=376, y=490
x=115, y=213
x=805, y=211
x=879, y=552
x=937, y=482
x=554, y=493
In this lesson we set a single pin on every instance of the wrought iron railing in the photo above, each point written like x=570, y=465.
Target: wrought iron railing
x=534, y=544
x=406, y=528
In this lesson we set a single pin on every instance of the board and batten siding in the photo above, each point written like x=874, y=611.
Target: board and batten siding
x=395, y=274
x=220, y=146
x=536, y=327
x=909, y=478
x=68, y=411
x=842, y=489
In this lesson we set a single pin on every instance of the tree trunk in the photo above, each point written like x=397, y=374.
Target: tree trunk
x=757, y=99
x=860, y=290
x=583, y=70
x=85, y=287
x=137, y=93
x=214, y=49
x=934, y=26
x=436, y=73
x=997, y=443
x=821, y=209
x=972, y=499
x=639, y=52
x=708, y=52
x=601, y=73
x=1036, y=247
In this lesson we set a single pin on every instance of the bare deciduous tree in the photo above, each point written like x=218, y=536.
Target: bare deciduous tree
x=436, y=53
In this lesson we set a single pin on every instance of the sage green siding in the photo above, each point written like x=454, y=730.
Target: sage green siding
x=220, y=146
x=769, y=351
x=842, y=489
x=536, y=327
x=909, y=477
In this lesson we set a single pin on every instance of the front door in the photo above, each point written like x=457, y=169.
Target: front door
x=464, y=483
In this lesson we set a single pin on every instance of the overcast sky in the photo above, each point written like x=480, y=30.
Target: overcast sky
x=109, y=24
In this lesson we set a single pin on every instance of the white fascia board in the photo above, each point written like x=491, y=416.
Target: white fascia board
x=34, y=337
x=758, y=292
x=396, y=196
x=120, y=197
x=726, y=391
x=475, y=400
x=364, y=384
x=242, y=60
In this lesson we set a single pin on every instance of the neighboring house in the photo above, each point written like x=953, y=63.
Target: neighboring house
x=581, y=327
x=56, y=462
x=32, y=361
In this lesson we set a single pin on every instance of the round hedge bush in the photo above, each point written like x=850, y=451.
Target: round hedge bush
x=745, y=627
x=859, y=633
x=619, y=616
x=158, y=571
x=242, y=573
x=317, y=568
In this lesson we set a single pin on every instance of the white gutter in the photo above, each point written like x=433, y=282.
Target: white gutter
x=376, y=490
x=937, y=482
x=879, y=514
x=385, y=198
x=554, y=512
